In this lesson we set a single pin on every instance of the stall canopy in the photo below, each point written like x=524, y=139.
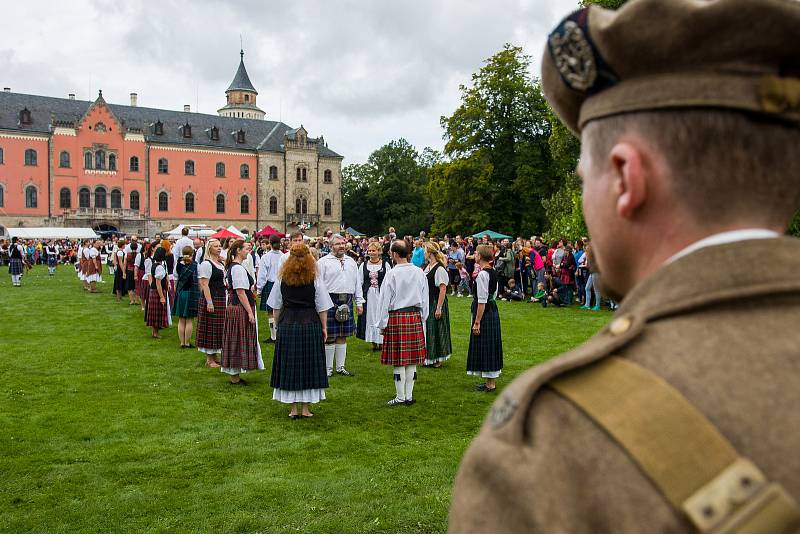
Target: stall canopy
x=268, y=231
x=236, y=231
x=222, y=234
x=195, y=230
x=52, y=233
x=355, y=233
x=492, y=234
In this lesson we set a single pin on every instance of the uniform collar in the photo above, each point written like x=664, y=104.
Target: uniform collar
x=723, y=238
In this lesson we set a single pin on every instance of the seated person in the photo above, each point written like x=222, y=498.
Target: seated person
x=540, y=293
x=512, y=292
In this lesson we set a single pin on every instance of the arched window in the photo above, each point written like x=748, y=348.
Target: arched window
x=100, y=197
x=25, y=116
x=301, y=205
x=273, y=205
x=305, y=177
x=30, y=157
x=244, y=170
x=163, y=201
x=189, y=201
x=116, y=199
x=158, y=128
x=240, y=136
x=63, y=160
x=188, y=167
x=220, y=169
x=244, y=204
x=65, y=198
x=220, y=203
x=134, y=200
x=31, y=197
x=298, y=174
x=100, y=160
x=328, y=208
x=112, y=162
x=134, y=167
x=88, y=158
x=328, y=176
x=2, y=196
x=1, y=155
x=163, y=166
x=84, y=197
x=273, y=173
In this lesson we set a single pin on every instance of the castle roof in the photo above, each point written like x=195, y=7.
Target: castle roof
x=241, y=82
x=48, y=112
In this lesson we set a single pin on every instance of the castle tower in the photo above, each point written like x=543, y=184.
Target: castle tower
x=241, y=96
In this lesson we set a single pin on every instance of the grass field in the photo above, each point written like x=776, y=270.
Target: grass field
x=107, y=430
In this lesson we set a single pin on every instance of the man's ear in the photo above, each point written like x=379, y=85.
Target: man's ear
x=628, y=175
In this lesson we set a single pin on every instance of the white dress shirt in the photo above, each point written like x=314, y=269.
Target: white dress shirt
x=268, y=267
x=340, y=275
x=405, y=286
x=177, y=250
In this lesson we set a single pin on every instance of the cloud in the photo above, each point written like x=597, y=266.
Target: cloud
x=361, y=73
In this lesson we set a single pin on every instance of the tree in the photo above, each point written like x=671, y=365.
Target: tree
x=501, y=127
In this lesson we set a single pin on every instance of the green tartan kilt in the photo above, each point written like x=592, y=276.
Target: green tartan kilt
x=437, y=335
x=299, y=361
x=486, y=350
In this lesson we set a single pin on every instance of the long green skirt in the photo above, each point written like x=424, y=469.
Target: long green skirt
x=437, y=335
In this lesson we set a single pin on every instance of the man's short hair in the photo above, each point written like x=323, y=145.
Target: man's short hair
x=296, y=233
x=275, y=241
x=725, y=164
x=336, y=237
x=400, y=248
x=185, y=230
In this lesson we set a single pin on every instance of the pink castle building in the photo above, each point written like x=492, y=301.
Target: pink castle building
x=67, y=162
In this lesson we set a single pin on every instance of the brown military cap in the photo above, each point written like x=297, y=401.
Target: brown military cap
x=668, y=54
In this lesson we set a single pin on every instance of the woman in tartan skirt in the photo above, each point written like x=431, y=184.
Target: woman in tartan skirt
x=403, y=310
x=211, y=308
x=187, y=296
x=300, y=301
x=371, y=274
x=143, y=279
x=118, y=260
x=131, y=259
x=240, y=349
x=437, y=331
x=158, y=312
x=485, y=356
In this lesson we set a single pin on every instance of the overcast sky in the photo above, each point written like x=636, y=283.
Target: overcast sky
x=361, y=73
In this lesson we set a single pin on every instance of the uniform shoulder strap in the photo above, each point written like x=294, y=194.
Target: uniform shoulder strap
x=685, y=456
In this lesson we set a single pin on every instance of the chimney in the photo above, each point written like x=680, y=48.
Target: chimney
x=187, y=108
x=134, y=100
x=7, y=89
x=72, y=96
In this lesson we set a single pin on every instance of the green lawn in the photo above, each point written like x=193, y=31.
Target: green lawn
x=107, y=430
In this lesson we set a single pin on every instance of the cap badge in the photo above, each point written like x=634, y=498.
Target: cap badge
x=502, y=410
x=573, y=56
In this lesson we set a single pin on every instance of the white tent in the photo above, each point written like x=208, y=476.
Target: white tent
x=195, y=230
x=235, y=230
x=53, y=232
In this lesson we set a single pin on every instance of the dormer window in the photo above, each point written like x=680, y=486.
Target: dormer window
x=214, y=133
x=247, y=98
x=158, y=128
x=240, y=136
x=25, y=116
x=187, y=130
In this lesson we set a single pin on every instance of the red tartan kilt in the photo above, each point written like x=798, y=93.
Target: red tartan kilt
x=210, y=326
x=403, y=340
x=142, y=287
x=239, y=342
x=157, y=316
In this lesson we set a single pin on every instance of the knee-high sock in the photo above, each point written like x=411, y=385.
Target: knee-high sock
x=272, y=328
x=400, y=382
x=341, y=355
x=329, y=351
x=15, y=279
x=411, y=377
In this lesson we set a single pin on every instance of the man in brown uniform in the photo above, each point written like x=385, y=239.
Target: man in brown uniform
x=683, y=414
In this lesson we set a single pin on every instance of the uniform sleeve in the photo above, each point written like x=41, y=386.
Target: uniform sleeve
x=204, y=270
x=359, y=292
x=424, y=297
x=263, y=271
x=322, y=300
x=239, y=277
x=441, y=277
x=275, y=297
x=483, y=287
x=387, y=294
x=161, y=272
x=137, y=260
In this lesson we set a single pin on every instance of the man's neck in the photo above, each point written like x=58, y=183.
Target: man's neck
x=401, y=261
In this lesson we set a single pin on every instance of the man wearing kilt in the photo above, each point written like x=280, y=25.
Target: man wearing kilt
x=268, y=266
x=403, y=311
x=437, y=327
x=340, y=275
x=51, y=251
x=301, y=304
x=211, y=309
x=15, y=255
x=158, y=314
x=241, y=351
x=485, y=356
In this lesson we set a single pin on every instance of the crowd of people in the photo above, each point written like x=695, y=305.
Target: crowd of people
x=315, y=293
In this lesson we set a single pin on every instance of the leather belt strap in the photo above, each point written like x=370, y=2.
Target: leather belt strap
x=685, y=456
